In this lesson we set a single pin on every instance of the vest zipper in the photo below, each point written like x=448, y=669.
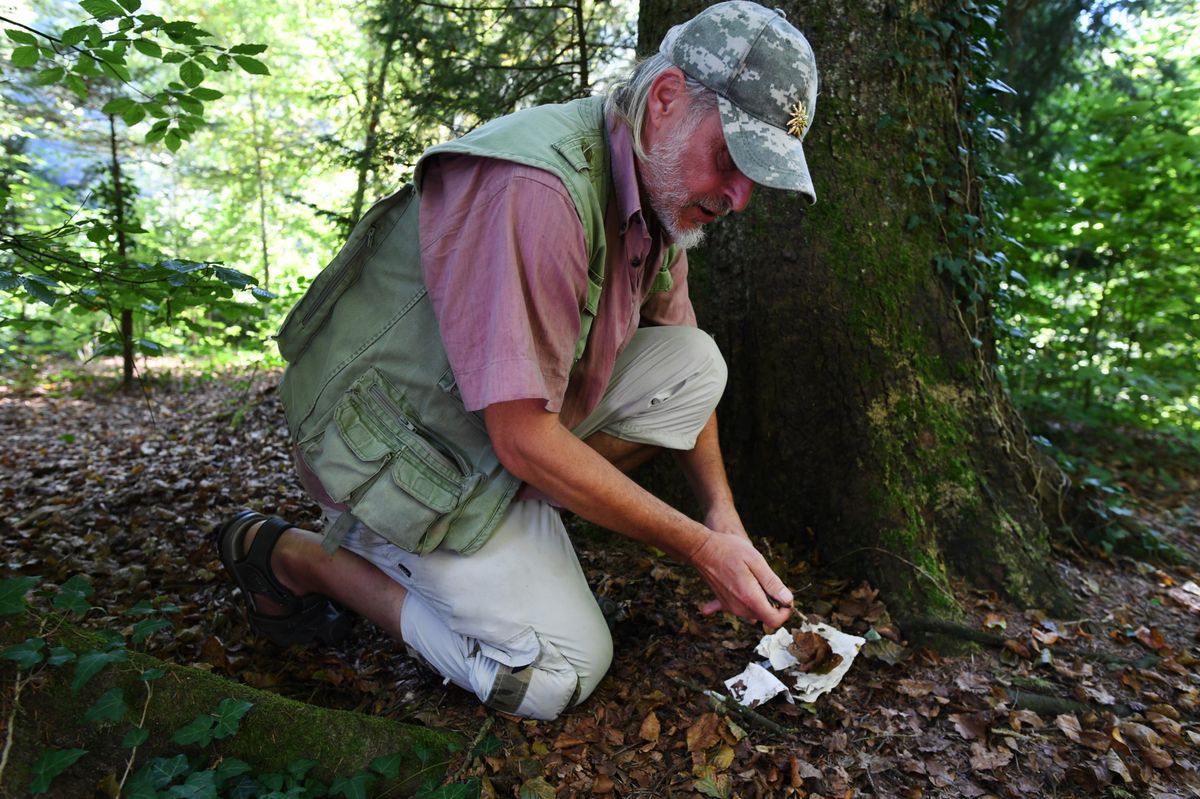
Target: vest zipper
x=399, y=415
x=366, y=242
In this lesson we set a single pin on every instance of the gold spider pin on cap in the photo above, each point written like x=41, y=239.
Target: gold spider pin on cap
x=799, y=120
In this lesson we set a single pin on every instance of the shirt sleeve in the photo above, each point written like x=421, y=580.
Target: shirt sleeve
x=505, y=262
x=672, y=307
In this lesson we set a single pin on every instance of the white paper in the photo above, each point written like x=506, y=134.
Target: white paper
x=754, y=686
x=761, y=685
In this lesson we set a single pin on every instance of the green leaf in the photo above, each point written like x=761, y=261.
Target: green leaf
x=75, y=35
x=353, y=787
x=161, y=770
x=73, y=595
x=59, y=655
x=52, y=763
x=131, y=5
x=134, y=115
x=205, y=94
x=12, y=594
x=191, y=74
x=190, y=104
x=251, y=65
x=248, y=49
x=172, y=140
x=233, y=277
x=198, y=731
x=229, y=715
x=26, y=654
x=89, y=664
x=199, y=785
x=147, y=627
x=49, y=75
x=485, y=747
x=109, y=707
x=76, y=84
x=149, y=675
x=21, y=37
x=297, y=769
x=118, y=105
x=147, y=47
x=135, y=737
x=102, y=9
x=142, y=608
x=232, y=767
x=25, y=56
x=387, y=766
x=38, y=290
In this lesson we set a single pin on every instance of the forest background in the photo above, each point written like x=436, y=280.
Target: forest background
x=174, y=176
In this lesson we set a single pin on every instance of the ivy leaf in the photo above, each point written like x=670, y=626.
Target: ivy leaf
x=297, y=769
x=73, y=595
x=109, y=707
x=228, y=716
x=90, y=664
x=26, y=654
x=135, y=737
x=59, y=655
x=12, y=594
x=353, y=787
x=387, y=766
x=251, y=65
x=147, y=627
x=485, y=747
x=152, y=674
x=52, y=763
x=198, y=731
x=161, y=770
x=199, y=785
x=231, y=767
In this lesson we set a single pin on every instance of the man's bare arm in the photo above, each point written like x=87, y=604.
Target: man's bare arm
x=533, y=444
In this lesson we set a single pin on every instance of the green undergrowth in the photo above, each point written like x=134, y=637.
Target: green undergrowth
x=88, y=711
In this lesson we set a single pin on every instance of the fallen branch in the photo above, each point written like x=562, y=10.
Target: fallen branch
x=731, y=706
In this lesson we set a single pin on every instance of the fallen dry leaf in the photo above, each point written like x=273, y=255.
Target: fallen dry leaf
x=703, y=733
x=650, y=729
x=914, y=688
x=970, y=725
x=813, y=652
x=984, y=758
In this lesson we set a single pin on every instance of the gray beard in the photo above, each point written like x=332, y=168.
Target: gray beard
x=662, y=175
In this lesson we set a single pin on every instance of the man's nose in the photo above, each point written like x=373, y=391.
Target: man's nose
x=738, y=191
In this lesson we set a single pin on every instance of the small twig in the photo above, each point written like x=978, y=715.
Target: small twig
x=466, y=761
x=133, y=753
x=732, y=707
x=12, y=723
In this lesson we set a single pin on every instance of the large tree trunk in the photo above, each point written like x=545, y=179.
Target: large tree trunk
x=859, y=407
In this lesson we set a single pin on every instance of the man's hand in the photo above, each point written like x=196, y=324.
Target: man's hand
x=741, y=579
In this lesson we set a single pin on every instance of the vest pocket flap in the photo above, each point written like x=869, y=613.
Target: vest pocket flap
x=424, y=483
x=359, y=435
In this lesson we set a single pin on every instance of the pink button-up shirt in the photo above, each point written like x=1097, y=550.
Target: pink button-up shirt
x=506, y=265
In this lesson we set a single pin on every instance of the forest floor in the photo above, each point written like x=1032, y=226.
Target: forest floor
x=126, y=488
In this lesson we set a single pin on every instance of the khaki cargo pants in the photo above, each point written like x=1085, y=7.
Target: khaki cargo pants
x=515, y=621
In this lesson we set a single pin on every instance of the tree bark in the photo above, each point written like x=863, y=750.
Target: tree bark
x=860, y=415
x=40, y=712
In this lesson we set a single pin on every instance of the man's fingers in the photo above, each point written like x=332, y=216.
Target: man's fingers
x=711, y=606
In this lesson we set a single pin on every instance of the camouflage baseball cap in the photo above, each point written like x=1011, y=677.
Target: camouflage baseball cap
x=765, y=77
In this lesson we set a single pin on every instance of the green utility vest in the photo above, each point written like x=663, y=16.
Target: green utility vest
x=370, y=398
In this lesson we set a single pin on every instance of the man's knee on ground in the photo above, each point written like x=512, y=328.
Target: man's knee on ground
x=546, y=687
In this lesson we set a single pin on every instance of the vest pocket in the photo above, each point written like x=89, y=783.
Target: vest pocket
x=375, y=457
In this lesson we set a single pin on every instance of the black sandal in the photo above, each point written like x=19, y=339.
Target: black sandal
x=307, y=618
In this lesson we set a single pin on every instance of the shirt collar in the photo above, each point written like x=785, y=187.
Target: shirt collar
x=624, y=174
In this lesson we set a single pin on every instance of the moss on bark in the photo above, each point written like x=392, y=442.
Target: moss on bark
x=275, y=732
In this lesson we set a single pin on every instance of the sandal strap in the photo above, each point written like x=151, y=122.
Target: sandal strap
x=254, y=568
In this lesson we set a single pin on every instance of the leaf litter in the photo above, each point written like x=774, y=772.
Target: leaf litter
x=125, y=490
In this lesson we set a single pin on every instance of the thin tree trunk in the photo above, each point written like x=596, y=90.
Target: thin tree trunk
x=581, y=34
x=262, y=194
x=374, y=111
x=122, y=253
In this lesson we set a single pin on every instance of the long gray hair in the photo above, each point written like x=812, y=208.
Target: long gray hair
x=628, y=99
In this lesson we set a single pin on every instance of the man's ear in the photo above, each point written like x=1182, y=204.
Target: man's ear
x=667, y=101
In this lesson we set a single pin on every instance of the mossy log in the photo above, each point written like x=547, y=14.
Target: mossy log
x=40, y=711
x=863, y=417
